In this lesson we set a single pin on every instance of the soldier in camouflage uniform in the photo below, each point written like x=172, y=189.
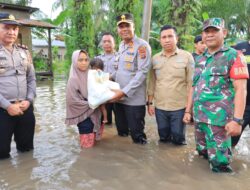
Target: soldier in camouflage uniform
x=218, y=96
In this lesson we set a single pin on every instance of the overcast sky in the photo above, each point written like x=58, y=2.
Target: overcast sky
x=45, y=6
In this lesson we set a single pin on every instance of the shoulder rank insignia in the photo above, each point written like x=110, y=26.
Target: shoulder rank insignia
x=142, y=51
x=22, y=46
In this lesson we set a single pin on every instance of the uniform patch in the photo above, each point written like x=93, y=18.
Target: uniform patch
x=142, y=51
x=128, y=58
x=239, y=69
x=22, y=46
x=128, y=66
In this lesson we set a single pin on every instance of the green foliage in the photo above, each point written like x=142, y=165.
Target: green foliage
x=119, y=7
x=205, y=16
x=234, y=12
x=82, y=21
x=83, y=26
x=55, y=51
x=40, y=63
x=60, y=67
x=179, y=13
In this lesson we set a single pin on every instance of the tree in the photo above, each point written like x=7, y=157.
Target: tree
x=234, y=12
x=180, y=13
x=81, y=35
x=135, y=7
x=23, y=2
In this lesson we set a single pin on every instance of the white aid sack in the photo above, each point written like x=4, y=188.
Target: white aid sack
x=99, y=88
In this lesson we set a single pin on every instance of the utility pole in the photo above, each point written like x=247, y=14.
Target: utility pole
x=146, y=19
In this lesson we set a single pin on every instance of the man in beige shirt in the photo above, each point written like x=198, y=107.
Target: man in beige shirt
x=169, y=83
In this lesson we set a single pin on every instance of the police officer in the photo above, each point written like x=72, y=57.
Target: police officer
x=199, y=47
x=108, y=58
x=133, y=64
x=18, y=89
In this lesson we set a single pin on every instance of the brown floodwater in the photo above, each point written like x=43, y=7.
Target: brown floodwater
x=115, y=163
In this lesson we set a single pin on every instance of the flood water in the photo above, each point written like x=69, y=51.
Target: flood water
x=115, y=163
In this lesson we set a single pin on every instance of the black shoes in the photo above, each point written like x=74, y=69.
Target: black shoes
x=141, y=140
x=123, y=134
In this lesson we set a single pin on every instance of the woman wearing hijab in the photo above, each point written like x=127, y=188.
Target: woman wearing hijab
x=78, y=111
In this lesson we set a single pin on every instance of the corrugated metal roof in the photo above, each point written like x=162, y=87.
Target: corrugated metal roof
x=36, y=23
x=44, y=43
x=18, y=7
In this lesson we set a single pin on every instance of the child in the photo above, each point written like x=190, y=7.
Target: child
x=98, y=64
x=78, y=111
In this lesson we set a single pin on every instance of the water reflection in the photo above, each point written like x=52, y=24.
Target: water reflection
x=115, y=163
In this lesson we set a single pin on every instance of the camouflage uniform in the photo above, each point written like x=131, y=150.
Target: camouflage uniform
x=213, y=99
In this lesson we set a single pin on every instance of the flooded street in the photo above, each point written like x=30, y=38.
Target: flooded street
x=115, y=163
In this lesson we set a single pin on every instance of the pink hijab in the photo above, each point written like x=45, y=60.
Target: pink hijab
x=77, y=107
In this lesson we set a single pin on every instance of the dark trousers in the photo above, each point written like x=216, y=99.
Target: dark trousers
x=22, y=127
x=130, y=118
x=246, y=118
x=109, y=108
x=86, y=126
x=171, y=126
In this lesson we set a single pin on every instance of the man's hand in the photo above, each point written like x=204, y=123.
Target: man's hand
x=151, y=110
x=14, y=110
x=187, y=117
x=233, y=128
x=24, y=105
x=118, y=95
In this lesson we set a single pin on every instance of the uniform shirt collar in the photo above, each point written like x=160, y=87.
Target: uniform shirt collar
x=177, y=50
x=130, y=44
x=108, y=54
x=222, y=49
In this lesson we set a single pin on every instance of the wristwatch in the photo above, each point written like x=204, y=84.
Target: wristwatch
x=149, y=103
x=239, y=121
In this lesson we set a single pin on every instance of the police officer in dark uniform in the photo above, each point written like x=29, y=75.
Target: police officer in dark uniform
x=133, y=64
x=17, y=90
x=199, y=47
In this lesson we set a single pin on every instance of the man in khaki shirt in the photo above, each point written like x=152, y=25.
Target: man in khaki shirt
x=169, y=83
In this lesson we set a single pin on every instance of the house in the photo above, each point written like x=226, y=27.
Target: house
x=22, y=14
x=41, y=47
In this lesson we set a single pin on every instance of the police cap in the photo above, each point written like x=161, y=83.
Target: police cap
x=125, y=18
x=7, y=18
x=197, y=39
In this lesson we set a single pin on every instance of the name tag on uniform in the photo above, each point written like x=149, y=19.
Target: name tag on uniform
x=130, y=53
x=128, y=58
x=3, y=58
